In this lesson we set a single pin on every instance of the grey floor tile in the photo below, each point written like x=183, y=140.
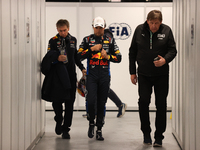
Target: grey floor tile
x=119, y=133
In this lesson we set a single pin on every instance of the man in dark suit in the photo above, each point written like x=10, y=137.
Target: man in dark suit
x=59, y=69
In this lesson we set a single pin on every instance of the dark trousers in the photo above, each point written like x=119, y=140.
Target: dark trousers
x=97, y=88
x=113, y=96
x=161, y=87
x=68, y=112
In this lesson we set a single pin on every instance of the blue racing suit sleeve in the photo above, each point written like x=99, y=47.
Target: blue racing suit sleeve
x=115, y=55
x=84, y=49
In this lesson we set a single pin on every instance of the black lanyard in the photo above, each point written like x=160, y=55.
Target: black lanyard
x=63, y=43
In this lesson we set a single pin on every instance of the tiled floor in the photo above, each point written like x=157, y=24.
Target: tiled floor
x=119, y=134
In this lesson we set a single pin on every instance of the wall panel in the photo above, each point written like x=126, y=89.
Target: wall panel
x=21, y=108
x=197, y=93
x=33, y=68
x=191, y=74
x=15, y=75
x=186, y=124
x=84, y=22
x=187, y=31
x=181, y=71
x=167, y=15
x=172, y=66
x=0, y=78
x=42, y=51
x=21, y=72
x=38, y=60
x=28, y=91
x=6, y=76
x=176, y=69
x=178, y=73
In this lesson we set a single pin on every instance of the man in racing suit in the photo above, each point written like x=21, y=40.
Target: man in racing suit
x=99, y=50
x=153, y=47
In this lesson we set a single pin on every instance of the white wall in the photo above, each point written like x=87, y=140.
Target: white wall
x=186, y=72
x=80, y=16
x=21, y=108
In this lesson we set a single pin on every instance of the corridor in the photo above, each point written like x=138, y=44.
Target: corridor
x=119, y=133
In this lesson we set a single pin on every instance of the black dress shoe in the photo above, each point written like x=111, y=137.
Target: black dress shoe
x=65, y=135
x=58, y=129
x=157, y=143
x=91, y=131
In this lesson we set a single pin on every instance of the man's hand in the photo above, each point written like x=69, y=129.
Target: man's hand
x=96, y=47
x=104, y=54
x=62, y=58
x=84, y=72
x=134, y=78
x=160, y=62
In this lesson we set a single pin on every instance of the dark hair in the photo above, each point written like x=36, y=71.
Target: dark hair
x=108, y=33
x=155, y=14
x=62, y=22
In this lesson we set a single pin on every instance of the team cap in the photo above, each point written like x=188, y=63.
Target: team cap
x=99, y=22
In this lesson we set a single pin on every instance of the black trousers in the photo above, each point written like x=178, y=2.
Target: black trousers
x=161, y=88
x=68, y=112
x=97, y=88
x=113, y=97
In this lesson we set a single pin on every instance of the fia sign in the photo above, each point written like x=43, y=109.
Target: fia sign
x=121, y=31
